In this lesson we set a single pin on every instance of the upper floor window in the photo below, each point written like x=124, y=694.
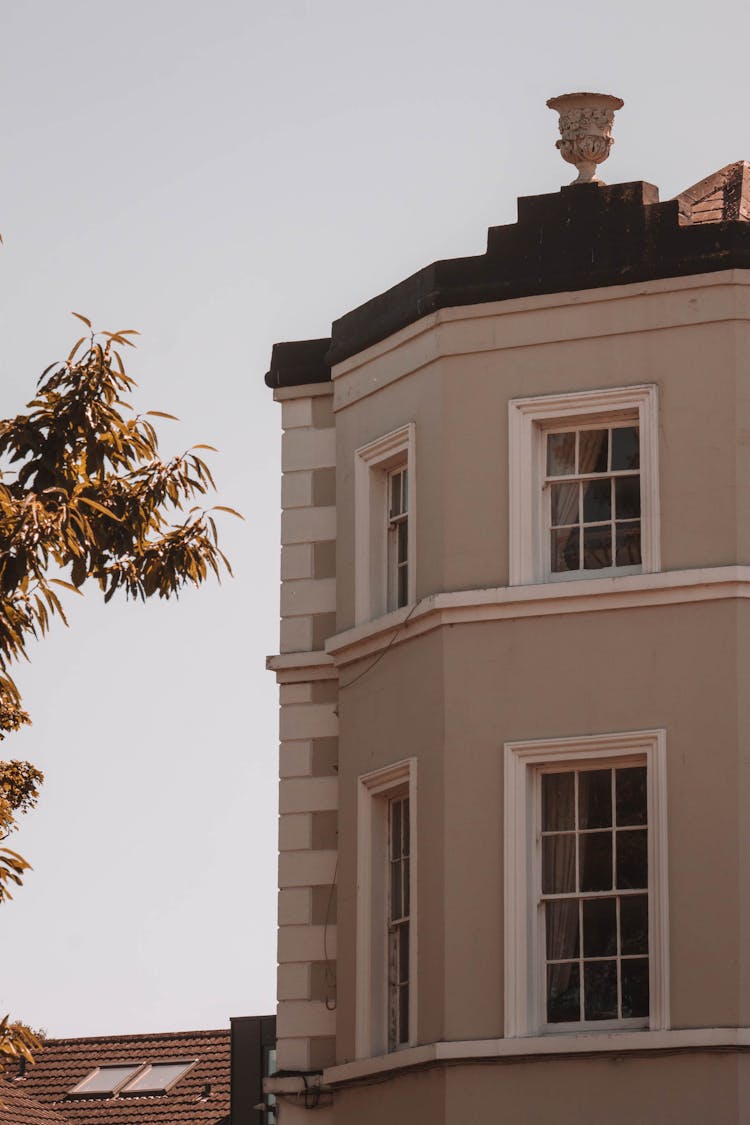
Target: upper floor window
x=384, y=524
x=592, y=492
x=398, y=537
x=584, y=485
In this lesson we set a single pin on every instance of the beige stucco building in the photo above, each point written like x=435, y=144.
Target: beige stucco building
x=514, y=869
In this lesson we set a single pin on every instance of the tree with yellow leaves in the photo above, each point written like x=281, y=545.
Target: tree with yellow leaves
x=85, y=496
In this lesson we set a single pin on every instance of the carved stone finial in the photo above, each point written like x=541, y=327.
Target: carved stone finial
x=585, y=131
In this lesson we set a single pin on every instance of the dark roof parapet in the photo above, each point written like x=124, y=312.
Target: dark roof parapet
x=297, y=362
x=581, y=237
x=586, y=236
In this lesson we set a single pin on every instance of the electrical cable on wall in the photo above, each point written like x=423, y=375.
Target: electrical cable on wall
x=396, y=633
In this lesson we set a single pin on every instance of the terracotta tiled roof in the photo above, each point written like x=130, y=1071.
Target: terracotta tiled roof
x=17, y=1108
x=201, y=1097
x=722, y=196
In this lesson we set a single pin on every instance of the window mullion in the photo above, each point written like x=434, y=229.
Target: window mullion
x=581, y=979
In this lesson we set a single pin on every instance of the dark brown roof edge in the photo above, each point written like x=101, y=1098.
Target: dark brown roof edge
x=137, y=1037
x=299, y=362
x=586, y=236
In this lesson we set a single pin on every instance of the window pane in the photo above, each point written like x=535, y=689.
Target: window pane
x=625, y=448
x=632, y=859
x=595, y=798
x=563, y=993
x=403, y=541
x=157, y=1078
x=561, y=454
x=634, y=924
x=592, y=451
x=557, y=801
x=628, y=549
x=627, y=498
x=405, y=827
x=403, y=586
x=405, y=490
x=599, y=927
x=597, y=500
x=630, y=795
x=396, y=890
x=395, y=829
x=596, y=861
x=600, y=990
x=395, y=494
x=561, y=921
x=634, y=988
x=106, y=1079
x=564, y=504
x=403, y=1014
x=597, y=547
x=558, y=864
x=565, y=550
x=403, y=953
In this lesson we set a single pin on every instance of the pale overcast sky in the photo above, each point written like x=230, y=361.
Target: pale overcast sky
x=222, y=176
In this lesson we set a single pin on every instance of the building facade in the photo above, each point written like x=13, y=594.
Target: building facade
x=515, y=638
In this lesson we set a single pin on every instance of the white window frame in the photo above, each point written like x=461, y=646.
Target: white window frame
x=525, y=985
x=372, y=997
x=372, y=464
x=529, y=420
x=148, y=1069
x=79, y=1090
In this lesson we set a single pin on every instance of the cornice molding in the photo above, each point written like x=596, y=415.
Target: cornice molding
x=461, y=607
x=551, y=328
x=551, y=1046
x=301, y=667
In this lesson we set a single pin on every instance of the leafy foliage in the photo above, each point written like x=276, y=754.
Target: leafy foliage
x=85, y=495
x=19, y=788
x=19, y=792
x=17, y=1041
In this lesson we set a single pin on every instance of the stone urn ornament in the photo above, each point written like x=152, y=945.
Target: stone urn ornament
x=585, y=131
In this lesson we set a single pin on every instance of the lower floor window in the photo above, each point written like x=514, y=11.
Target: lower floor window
x=387, y=937
x=586, y=937
x=594, y=893
x=398, y=923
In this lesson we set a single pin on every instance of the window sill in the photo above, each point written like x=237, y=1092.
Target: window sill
x=584, y=595
x=558, y=1045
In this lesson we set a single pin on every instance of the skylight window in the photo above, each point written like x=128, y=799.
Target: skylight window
x=157, y=1078
x=106, y=1080
x=132, y=1078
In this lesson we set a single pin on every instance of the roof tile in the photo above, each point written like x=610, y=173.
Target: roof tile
x=17, y=1108
x=201, y=1097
